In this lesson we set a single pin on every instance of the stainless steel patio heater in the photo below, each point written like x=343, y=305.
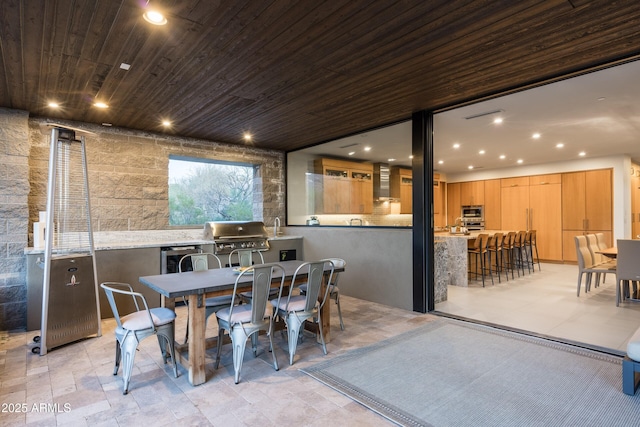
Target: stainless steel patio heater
x=70, y=307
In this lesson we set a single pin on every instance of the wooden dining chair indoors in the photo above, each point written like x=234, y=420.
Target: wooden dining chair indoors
x=509, y=250
x=627, y=269
x=519, y=251
x=531, y=245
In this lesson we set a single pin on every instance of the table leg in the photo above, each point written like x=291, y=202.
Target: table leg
x=197, y=373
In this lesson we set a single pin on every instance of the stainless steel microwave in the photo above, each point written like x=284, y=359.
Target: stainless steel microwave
x=476, y=212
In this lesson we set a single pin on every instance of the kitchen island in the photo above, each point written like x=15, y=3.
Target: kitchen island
x=451, y=259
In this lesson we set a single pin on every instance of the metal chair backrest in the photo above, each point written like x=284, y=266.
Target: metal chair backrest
x=245, y=257
x=338, y=263
x=111, y=288
x=315, y=272
x=260, y=286
x=199, y=262
x=628, y=260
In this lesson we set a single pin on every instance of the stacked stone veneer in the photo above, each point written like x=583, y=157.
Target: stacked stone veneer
x=128, y=185
x=14, y=216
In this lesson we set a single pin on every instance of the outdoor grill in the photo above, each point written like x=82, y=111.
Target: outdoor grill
x=230, y=235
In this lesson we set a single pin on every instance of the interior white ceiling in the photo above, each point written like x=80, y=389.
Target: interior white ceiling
x=598, y=113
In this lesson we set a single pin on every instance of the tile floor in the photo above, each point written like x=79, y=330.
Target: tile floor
x=545, y=302
x=80, y=376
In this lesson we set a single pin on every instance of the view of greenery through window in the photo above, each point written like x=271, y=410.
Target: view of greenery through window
x=201, y=191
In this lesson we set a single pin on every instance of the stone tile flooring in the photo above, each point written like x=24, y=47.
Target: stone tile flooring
x=73, y=385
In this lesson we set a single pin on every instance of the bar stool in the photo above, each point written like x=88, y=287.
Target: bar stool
x=509, y=251
x=530, y=244
x=495, y=246
x=519, y=249
x=479, y=250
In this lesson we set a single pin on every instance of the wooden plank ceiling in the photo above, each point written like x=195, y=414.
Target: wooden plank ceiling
x=293, y=73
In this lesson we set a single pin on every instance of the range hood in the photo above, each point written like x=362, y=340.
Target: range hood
x=381, y=185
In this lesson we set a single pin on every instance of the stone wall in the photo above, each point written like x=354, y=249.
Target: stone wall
x=128, y=185
x=14, y=216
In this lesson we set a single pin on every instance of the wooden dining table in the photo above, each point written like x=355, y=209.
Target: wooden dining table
x=198, y=285
x=609, y=252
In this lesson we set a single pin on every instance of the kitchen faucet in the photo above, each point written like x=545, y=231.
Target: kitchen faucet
x=276, y=225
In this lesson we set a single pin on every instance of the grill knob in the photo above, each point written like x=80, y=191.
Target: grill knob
x=243, y=245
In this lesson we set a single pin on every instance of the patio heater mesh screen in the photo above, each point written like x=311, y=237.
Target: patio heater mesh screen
x=70, y=307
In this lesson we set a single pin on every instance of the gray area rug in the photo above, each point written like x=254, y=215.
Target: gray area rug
x=451, y=373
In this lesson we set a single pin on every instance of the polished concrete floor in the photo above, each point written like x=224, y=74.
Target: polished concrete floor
x=545, y=302
x=78, y=379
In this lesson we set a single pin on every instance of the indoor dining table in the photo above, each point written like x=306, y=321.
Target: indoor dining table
x=198, y=285
x=609, y=252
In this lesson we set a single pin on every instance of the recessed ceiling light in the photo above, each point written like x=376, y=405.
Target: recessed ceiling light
x=411, y=156
x=53, y=104
x=502, y=157
x=440, y=162
x=497, y=120
x=100, y=104
x=470, y=167
x=520, y=161
x=367, y=148
x=391, y=160
x=535, y=136
x=559, y=145
x=247, y=136
x=125, y=66
x=456, y=146
x=351, y=153
x=154, y=17
x=582, y=153
x=602, y=98
x=166, y=123
x=107, y=124
x=481, y=152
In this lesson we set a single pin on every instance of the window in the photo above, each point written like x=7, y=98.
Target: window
x=203, y=190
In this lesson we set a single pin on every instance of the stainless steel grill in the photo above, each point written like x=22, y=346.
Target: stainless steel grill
x=230, y=235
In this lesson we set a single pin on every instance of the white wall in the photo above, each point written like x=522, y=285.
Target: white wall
x=621, y=183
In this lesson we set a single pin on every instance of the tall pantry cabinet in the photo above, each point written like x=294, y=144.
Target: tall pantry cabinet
x=586, y=207
x=635, y=201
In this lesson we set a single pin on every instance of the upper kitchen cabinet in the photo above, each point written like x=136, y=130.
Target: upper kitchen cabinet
x=343, y=187
x=472, y=193
x=586, y=207
x=361, y=190
x=401, y=188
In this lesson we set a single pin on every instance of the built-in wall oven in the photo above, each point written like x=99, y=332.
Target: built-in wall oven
x=473, y=217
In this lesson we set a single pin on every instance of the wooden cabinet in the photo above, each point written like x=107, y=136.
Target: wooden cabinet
x=401, y=187
x=586, y=207
x=545, y=199
x=343, y=187
x=361, y=191
x=472, y=193
x=533, y=203
x=439, y=197
x=453, y=202
x=492, y=207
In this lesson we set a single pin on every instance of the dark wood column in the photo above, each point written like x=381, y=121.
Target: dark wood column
x=422, y=150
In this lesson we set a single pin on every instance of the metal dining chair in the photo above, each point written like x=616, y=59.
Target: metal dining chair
x=136, y=326
x=247, y=320
x=334, y=291
x=202, y=262
x=296, y=309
